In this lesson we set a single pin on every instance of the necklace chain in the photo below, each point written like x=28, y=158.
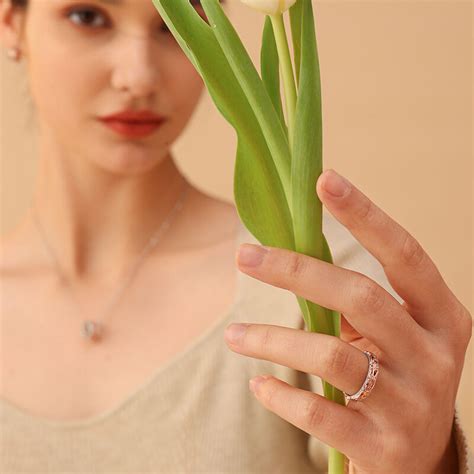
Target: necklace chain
x=93, y=330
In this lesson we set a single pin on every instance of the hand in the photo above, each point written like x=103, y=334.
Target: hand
x=405, y=424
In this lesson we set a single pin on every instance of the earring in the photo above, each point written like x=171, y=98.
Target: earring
x=14, y=53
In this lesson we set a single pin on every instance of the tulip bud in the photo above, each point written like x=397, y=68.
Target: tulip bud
x=270, y=7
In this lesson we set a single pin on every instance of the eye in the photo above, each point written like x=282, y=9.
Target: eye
x=90, y=18
x=86, y=16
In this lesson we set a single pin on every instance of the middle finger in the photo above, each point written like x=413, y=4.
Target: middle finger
x=368, y=307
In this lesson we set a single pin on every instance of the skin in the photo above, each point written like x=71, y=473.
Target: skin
x=136, y=64
x=82, y=164
x=405, y=424
x=100, y=197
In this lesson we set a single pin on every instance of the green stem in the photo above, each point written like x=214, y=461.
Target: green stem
x=315, y=319
x=287, y=73
x=336, y=462
x=336, y=459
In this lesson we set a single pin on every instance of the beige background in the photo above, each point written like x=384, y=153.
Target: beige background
x=397, y=104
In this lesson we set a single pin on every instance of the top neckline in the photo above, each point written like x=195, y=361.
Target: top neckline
x=156, y=376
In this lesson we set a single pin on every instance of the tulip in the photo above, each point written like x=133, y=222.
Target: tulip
x=270, y=7
x=275, y=10
x=277, y=166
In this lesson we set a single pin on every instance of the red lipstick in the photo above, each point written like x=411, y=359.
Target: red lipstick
x=133, y=124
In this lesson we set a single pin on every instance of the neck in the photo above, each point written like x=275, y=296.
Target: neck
x=97, y=223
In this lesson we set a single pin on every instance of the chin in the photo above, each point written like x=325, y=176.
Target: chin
x=131, y=163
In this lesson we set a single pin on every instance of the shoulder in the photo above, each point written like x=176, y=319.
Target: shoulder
x=214, y=220
x=8, y=256
x=11, y=271
x=19, y=252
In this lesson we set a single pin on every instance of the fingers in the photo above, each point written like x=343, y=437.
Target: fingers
x=368, y=307
x=409, y=269
x=335, y=361
x=335, y=425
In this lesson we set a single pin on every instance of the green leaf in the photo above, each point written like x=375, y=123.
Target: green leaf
x=306, y=167
x=259, y=194
x=270, y=69
x=296, y=12
x=274, y=186
x=330, y=313
x=308, y=148
x=252, y=85
x=176, y=26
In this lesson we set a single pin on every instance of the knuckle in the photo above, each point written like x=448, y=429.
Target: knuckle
x=460, y=330
x=314, y=412
x=413, y=253
x=427, y=346
x=396, y=447
x=266, y=339
x=441, y=376
x=421, y=408
x=377, y=441
x=339, y=360
x=295, y=265
x=465, y=324
x=366, y=211
x=446, y=366
x=467, y=332
x=369, y=296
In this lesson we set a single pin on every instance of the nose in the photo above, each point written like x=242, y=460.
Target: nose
x=136, y=68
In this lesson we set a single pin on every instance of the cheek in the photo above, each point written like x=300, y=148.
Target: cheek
x=57, y=83
x=185, y=87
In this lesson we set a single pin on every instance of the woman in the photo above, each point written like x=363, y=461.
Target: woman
x=116, y=235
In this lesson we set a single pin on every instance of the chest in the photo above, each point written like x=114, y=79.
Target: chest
x=50, y=370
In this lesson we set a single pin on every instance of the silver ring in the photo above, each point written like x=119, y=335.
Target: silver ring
x=369, y=381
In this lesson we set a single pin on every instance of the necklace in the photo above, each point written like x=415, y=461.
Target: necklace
x=94, y=330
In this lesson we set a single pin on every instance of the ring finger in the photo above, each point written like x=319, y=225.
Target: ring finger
x=328, y=357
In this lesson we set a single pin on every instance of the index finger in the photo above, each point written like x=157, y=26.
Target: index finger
x=409, y=269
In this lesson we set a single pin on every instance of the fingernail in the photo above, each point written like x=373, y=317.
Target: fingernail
x=335, y=184
x=256, y=381
x=235, y=332
x=251, y=255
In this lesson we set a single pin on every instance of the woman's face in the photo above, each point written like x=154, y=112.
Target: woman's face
x=93, y=58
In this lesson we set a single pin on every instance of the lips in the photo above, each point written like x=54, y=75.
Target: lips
x=133, y=129
x=135, y=116
x=133, y=123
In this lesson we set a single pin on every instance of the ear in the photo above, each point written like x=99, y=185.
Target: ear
x=12, y=20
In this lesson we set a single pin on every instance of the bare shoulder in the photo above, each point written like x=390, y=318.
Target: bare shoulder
x=17, y=252
x=11, y=271
x=225, y=217
x=8, y=256
x=224, y=212
x=213, y=220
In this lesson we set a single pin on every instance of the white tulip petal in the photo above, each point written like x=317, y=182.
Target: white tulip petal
x=270, y=7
